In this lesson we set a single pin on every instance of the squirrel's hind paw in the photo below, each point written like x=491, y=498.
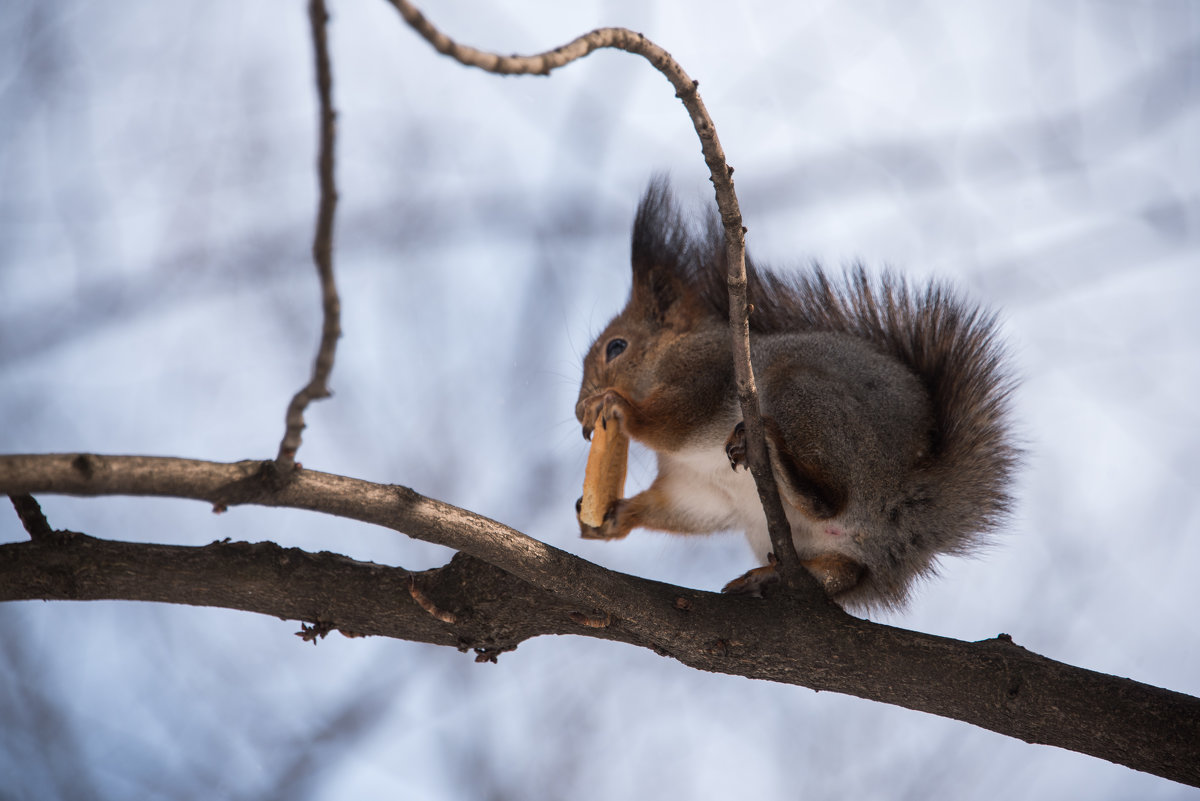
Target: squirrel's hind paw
x=753, y=582
x=837, y=574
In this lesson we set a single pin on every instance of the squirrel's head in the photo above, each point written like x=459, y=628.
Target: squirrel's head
x=664, y=305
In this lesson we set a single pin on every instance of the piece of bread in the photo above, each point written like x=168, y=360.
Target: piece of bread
x=604, y=478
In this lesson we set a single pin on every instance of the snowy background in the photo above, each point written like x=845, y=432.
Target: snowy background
x=156, y=296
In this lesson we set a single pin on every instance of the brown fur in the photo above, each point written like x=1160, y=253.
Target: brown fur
x=886, y=404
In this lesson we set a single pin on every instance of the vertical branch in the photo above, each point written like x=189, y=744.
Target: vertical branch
x=731, y=218
x=322, y=249
x=778, y=528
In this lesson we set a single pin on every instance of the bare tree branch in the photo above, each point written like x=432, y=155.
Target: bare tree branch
x=329, y=591
x=394, y=507
x=31, y=516
x=721, y=174
x=331, y=329
x=512, y=587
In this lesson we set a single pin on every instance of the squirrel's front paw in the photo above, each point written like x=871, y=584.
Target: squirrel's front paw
x=611, y=527
x=735, y=447
x=601, y=409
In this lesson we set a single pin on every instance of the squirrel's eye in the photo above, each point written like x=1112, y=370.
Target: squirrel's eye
x=614, y=348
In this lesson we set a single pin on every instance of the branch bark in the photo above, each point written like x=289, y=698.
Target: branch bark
x=788, y=562
x=509, y=587
x=322, y=249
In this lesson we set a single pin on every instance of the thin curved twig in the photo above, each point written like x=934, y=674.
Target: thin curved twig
x=322, y=250
x=731, y=219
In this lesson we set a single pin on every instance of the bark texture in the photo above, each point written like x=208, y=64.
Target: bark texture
x=505, y=587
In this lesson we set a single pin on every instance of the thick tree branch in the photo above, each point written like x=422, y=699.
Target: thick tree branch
x=528, y=588
x=731, y=219
x=322, y=249
x=494, y=611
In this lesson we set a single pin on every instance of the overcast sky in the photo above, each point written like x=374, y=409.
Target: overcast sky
x=156, y=296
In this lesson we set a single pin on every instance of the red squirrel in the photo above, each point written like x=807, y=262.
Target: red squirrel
x=885, y=407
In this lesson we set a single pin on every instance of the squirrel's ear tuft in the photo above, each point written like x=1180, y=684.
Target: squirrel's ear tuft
x=664, y=252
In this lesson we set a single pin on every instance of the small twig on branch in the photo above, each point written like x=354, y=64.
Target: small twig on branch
x=331, y=328
x=429, y=606
x=31, y=516
x=721, y=173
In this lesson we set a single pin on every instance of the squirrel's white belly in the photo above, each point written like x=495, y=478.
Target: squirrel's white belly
x=703, y=487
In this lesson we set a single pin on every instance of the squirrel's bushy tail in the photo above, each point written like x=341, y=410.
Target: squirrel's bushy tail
x=962, y=490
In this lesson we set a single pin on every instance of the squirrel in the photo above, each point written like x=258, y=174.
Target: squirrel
x=885, y=407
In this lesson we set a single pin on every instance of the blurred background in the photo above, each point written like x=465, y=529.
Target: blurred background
x=157, y=195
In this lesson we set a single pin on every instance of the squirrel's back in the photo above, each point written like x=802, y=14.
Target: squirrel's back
x=960, y=490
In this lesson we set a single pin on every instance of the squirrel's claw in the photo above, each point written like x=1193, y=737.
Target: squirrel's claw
x=599, y=409
x=735, y=447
